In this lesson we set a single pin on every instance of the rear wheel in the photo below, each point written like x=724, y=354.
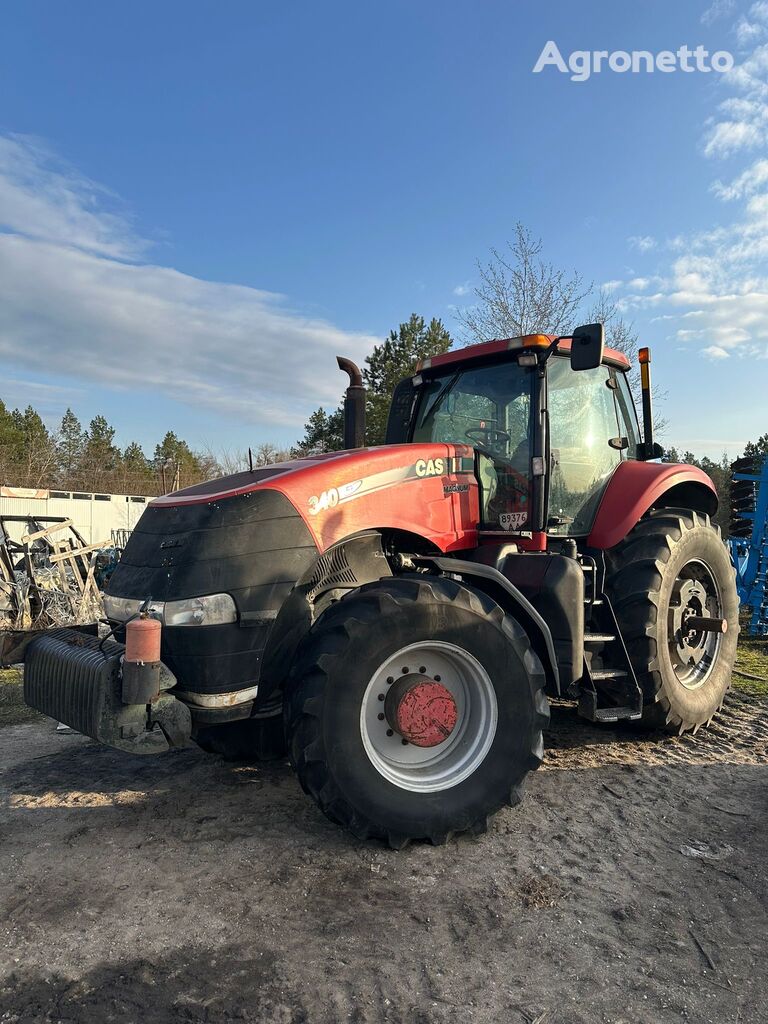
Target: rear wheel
x=415, y=710
x=672, y=572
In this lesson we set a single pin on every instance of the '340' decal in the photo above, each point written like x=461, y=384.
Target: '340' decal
x=332, y=497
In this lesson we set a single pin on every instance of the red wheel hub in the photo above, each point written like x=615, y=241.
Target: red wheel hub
x=422, y=710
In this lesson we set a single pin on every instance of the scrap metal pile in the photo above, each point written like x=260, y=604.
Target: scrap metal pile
x=49, y=577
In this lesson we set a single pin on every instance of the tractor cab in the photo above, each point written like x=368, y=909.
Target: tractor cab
x=549, y=418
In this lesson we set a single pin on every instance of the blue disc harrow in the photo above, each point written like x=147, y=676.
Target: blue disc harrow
x=749, y=538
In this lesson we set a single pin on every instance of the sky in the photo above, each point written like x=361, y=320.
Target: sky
x=202, y=204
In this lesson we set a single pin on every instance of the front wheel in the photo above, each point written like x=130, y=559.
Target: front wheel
x=671, y=576
x=415, y=710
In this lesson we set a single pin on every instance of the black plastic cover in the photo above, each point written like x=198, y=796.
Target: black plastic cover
x=253, y=546
x=554, y=584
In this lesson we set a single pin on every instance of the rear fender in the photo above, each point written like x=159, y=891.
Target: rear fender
x=637, y=487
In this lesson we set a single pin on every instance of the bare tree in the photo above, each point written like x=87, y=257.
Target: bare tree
x=519, y=293
x=229, y=461
x=267, y=454
x=618, y=333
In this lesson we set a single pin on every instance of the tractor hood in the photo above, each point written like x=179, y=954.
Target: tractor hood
x=262, y=529
x=253, y=536
x=341, y=493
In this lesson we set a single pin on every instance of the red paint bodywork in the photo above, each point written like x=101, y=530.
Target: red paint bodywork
x=385, y=499
x=635, y=487
x=611, y=356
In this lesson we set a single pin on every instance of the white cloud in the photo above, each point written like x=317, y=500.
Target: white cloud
x=41, y=197
x=643, y=243
x=749, y=29
x=718, y=9
x=748, y=32
x=48, y=399
x=70, y=304
x=746, y=184
x=462, y=289
x=713, y=295
x=742, y=120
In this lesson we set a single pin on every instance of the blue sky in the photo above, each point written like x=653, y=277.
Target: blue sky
x=202, y=203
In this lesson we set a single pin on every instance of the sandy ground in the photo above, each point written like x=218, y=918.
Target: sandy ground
x=185, y=889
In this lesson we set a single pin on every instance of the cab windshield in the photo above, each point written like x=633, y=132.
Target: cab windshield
x=490, y=409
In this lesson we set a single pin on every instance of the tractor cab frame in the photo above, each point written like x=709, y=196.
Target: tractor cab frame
x=547, y=439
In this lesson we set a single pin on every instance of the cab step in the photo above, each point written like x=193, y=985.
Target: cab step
x=589, y=710
x=600, y=674
x=609, y=690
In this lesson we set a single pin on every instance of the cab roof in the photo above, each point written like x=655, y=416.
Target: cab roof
x=611, y=357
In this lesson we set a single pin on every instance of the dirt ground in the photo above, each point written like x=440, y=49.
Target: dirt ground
x=630, y=886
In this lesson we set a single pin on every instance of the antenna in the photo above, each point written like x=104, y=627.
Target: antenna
x=250, y=460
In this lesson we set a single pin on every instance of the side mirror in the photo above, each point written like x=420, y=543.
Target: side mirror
x=587, y=347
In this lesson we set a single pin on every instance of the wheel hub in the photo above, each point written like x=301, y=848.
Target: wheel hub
x=421, y=710
x=428, y=716
x=695, y=609
x=693, y=602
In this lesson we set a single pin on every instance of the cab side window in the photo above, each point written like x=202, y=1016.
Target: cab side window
x=583, y=418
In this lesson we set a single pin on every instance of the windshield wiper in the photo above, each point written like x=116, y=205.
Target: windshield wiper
x=441, y=394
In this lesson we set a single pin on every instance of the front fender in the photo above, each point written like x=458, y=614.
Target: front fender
x=635, y=487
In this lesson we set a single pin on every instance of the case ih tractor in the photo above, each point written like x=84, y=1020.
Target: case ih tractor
x=399, y=616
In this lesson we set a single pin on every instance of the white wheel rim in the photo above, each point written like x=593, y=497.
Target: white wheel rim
x=693, y=663
x=431, y=769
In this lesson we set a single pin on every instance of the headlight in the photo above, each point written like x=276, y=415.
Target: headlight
x=120, y=609
x=214, y=610
x=211, y=610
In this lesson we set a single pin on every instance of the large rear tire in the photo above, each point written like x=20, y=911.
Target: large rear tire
x=674, y=564
x=346, y=741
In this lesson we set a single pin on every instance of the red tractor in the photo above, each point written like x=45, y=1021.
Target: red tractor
x=399, y=615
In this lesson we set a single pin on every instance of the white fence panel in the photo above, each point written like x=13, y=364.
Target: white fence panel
x=95, y=516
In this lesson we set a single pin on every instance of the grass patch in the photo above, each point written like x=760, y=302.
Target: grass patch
x=13, y=710
x=752, y=657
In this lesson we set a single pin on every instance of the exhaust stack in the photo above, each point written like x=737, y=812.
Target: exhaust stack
x=354, y=405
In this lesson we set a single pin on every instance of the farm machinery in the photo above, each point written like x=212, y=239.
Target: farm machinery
x=749, y=538
x=396, y=618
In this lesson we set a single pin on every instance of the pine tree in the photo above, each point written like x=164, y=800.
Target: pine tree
x=395, y=359
x=177, y=465
x=69, y=450
x=35, y=455
x=137, y=472
x=322, y=433
x=385, y=367
x=757, y=448
x=102, y=458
